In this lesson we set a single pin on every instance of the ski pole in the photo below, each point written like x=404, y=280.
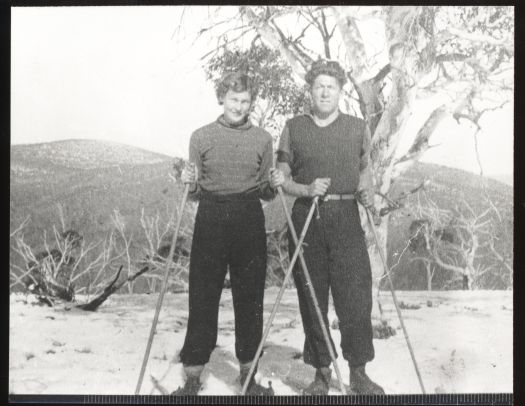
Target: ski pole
x=312, y=293
x=279, y=296
x=163, y=288
x=391, y=285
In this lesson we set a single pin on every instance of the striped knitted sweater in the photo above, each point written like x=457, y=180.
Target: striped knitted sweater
x=232, y=159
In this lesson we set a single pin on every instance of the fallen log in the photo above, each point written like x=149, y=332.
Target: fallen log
x=110, y=289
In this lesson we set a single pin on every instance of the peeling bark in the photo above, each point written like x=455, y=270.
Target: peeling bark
x=354, y=44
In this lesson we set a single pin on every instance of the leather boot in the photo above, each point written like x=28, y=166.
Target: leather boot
x=254, y=389
x=321, y=382
x=361, y=384
x=193, y=382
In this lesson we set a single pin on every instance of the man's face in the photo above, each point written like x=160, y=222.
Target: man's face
x=236, y=106
x=325, y=94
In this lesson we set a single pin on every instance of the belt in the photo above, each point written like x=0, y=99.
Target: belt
x=234, y=197
x=325, y=198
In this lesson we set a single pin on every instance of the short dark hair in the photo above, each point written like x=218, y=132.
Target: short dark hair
x=324, y=67
x=237, y=82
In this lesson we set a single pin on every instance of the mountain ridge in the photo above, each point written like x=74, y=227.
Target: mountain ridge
x=81, y=154
x=90, y=193
x=505, y=178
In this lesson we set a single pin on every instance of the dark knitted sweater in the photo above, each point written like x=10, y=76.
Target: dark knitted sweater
x=232, y=159
x=339, y=151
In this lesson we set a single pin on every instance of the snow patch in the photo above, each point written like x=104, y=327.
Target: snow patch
x=56, y=351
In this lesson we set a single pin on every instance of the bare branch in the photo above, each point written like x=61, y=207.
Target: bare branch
x=447, y=265
x=382, y=73
x=453, y=57
x=24, y=273
x=270, y=36
x=21, y=226
x=303, y=32
x=177, y=28
x=507, y=43
x=500, y=258
x=421, y=144
x=306, y=60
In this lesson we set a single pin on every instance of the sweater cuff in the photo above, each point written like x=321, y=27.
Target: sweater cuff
x=266, y=192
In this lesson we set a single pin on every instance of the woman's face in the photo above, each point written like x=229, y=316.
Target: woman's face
x=236, y=106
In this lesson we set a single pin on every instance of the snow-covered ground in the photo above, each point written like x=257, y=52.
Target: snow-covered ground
x=463, y=343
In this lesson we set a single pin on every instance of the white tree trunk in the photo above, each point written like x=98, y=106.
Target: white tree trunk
x=376, y=263
x=406, y=75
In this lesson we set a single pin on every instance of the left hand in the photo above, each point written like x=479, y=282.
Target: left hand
x=276, y=178
x=189, y=173
x=366, y=197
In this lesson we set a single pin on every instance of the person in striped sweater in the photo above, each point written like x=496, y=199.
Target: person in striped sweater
x=229, y=172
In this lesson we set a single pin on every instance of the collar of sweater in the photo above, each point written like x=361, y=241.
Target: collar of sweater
x=311, y=114
x=243, y=126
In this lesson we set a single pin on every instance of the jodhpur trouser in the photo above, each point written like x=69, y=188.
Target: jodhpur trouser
x=337, y=259
x=227, y=233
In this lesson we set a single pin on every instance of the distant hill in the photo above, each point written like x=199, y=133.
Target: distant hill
x=447, y=188
x=79, y=154
x=506, y=178
x=91, y=179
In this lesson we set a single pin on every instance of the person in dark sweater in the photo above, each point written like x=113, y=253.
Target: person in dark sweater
x=229, y=174
x=326, y=153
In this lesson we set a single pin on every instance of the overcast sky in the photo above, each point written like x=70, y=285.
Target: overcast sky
x=120, y=74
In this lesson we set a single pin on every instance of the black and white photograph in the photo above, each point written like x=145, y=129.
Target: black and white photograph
x=254, y=200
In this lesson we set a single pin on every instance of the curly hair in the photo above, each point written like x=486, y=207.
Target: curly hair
x=237, y=82
x=329, y=68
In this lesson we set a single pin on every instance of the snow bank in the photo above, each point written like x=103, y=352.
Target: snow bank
x=463, y=343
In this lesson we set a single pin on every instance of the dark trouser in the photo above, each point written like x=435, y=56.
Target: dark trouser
x=227, y=233
x=337, y=258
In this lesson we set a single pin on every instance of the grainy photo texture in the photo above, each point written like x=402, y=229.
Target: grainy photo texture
x=261, y=200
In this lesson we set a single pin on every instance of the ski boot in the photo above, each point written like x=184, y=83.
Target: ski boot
x=361, y=384
x=254, y=389
x=321, y=382
x=193, y=383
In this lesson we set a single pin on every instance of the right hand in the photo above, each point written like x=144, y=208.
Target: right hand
x=189, y=173
x=318, y=187
x=365, y=197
